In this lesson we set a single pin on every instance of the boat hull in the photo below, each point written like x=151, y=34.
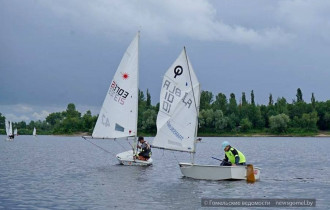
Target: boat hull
x=214, y=172
x=126, y=158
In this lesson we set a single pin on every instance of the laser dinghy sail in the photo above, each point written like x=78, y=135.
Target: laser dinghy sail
x=119, y=113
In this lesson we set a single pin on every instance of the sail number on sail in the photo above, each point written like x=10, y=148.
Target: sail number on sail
x=118, y=94
x=172, y=91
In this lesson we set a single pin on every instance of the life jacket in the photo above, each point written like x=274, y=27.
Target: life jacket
x=231, y=156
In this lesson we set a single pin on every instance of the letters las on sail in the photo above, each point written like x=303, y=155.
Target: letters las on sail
x=178, y=110
x=118, y=115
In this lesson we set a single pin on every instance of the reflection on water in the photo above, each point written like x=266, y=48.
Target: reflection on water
x=70, y=173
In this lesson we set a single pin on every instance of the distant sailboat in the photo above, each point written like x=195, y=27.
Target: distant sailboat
x=177, y=122
x=119, y=112
x=15, y=132
x=9, y=131
x=34, y=132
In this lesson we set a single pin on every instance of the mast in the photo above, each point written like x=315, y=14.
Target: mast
x=197, y=109
x=137, y=98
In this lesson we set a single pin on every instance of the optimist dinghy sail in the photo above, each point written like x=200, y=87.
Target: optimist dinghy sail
x=177, y=122
x=119, y=112
x=179, y=105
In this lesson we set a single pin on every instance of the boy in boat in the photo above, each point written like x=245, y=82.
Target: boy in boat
x=233, y=156
x=145, y=153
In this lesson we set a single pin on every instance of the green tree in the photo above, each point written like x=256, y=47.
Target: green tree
x=281, y=106
x=252, y=98
x=232, y=108
x=2, y=121
x=313, y=101
x=206, y=100
x=71, y=111
x=299, y=95
x=149, y=121
x=270, y=102
x=148, y=102
x=309, y=121
x=206, y=119
x=327, y=120
x=220, y=121
x=244, y=101
x=54, y=118
x=88, y=121
x=279, y=123
x=245, y=124
x=220, y=103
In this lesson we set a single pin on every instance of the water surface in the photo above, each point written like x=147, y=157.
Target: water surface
x=49, y=172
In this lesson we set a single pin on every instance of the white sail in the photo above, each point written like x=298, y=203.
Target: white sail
x=7, y=128
x=118, y=115
x=10, y=132
x=34, y=131
x=179, y=105
x=15, y=132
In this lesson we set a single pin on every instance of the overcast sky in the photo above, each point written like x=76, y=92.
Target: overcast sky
x=55, y=52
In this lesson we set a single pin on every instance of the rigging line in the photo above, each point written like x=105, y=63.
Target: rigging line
x=99, y=147
x=119, y=144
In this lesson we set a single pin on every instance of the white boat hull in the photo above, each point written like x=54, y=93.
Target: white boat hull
x=126, y=158
x=214, y=172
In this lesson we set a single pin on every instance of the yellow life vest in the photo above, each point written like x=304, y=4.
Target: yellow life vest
x=231, y=156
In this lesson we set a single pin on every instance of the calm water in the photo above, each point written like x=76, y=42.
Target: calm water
x=50, y=172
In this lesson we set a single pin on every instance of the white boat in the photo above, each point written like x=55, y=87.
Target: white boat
x=15, y=132
x=34, y=132
x=126, y=158
x=177, y=123
x=215, y=172
x=119, y=112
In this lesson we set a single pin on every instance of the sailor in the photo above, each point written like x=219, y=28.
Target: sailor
x=145, y=153
x=233, y=156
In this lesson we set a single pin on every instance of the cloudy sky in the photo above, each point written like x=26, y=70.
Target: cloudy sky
x=55, y=52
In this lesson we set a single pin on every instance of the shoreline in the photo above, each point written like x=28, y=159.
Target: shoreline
x=321, y=134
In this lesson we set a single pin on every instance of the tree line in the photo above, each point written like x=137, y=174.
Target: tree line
x=218, y=115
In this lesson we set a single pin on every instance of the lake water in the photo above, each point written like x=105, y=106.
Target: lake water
x=50, y=172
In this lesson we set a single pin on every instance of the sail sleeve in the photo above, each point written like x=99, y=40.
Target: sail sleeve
x=178, y=110
x=118, y=115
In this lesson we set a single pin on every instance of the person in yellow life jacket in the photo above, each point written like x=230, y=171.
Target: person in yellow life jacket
x=233, y=156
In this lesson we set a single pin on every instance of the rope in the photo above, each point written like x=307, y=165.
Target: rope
x=99, y=147
x=120, y=144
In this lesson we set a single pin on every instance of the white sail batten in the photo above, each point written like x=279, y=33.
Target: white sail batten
x=118, y=115
x=179, y=105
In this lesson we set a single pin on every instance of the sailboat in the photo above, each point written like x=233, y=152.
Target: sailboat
x=177, y=122
x=34, y=132
x=119, y=113
x=9, y=131
x=15, y=132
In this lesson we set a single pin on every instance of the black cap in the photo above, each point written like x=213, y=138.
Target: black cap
x=140, y=138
